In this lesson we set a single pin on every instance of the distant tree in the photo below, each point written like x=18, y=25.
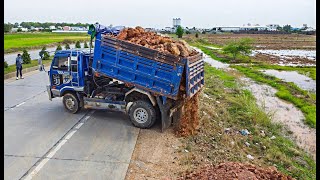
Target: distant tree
x=279, y=28
x=203, y=32
x=44, y=53
x=197, y=35
x=26, y=57
x=19, y=30
x=244, y=46
x=179, y=32
x=188, y=32
x=67, y=46
x=85, y=45
x=16, y=25
x=58, y=48
x=287, y=28
x=7, y=27
x=78, y=44
x=5, y=64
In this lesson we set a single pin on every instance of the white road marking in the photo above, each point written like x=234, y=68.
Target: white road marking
x=79, y=125
x=20, y=104
x=54, y=151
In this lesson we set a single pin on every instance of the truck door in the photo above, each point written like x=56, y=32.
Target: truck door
x=59, y=74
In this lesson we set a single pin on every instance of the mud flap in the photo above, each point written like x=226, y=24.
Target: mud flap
x=165, y=114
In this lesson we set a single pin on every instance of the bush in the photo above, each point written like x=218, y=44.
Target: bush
x=26, y=57
x=197, y=35
x=19, y=30
x=58, y=48
x=5, y=64
x=78, y=44
x=67, y=46
x=44, y=54
x=85, y=45
x=244, y=46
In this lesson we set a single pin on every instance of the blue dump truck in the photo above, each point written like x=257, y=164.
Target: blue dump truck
x=119, y=75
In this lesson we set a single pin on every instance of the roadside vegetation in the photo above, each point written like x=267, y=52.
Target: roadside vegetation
x=19, y=41
x=302, y=99
x=226, y=109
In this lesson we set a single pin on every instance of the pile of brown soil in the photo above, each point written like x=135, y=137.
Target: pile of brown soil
x=190, y=117
x=235, y=170
x=157, y=42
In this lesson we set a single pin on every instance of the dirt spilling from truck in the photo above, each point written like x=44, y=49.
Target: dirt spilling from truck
x=157, y=42
x=234, y=170
x=189, y=121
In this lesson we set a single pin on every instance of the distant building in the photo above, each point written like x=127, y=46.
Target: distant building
x=52, y=27
x=66, y=28
x=176, y=22
x=22, y=29
x=272, y=27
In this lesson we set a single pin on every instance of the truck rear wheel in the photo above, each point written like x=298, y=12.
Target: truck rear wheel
x=142, y=114
x=71, y=103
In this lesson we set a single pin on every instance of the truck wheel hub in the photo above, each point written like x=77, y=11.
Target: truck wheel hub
x=140, y=115
x=70, y=103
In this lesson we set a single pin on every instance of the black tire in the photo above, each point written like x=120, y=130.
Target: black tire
x=69, y=98
x=142, y=114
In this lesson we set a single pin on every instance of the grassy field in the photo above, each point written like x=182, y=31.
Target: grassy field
x=262, y=41
x=225, y=104
x=19, y=41
x=12, y=68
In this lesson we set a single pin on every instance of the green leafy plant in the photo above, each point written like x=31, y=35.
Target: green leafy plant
x=26, y=57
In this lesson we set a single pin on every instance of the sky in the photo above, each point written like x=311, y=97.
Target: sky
x=159, y=13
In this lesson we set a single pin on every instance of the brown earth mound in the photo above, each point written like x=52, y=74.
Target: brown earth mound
x=190, y=117
x=157, y=42
x=234, y=170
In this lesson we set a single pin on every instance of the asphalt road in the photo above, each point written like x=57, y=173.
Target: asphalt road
x=43, y=141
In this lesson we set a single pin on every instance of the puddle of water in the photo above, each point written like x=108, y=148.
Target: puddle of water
x=300, y=80
x=309, y=54
x=286, y=114
x=212, y=62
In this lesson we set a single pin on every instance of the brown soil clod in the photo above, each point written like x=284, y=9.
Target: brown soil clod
x=235, y=170
x=155, y=41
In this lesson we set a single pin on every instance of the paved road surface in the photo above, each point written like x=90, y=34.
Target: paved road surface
x=43, y=141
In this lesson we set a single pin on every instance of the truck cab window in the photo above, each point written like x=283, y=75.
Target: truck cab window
x=60, y=63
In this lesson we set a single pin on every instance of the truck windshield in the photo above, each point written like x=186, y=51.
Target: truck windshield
x=60, y=63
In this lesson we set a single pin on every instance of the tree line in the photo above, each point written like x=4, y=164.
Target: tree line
x=9, y=26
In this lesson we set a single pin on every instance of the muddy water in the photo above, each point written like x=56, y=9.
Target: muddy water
x=212, y=62
x=286, y=114
x=283, y=112
x=300, y=80
x=309, y=54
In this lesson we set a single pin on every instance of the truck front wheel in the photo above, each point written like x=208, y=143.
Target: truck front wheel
x=142, y=114
x=71, y=103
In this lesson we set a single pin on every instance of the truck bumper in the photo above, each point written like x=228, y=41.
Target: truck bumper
x=49, y=93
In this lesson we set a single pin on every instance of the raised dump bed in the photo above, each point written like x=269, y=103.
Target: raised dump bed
x=148, y=69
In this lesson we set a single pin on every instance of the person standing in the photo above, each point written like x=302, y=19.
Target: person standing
x=19, y=66
x=41, y=66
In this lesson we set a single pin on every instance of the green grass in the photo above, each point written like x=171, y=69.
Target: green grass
x=19, y=41
x=12, y=68
x=237, y=109
x=302, y=99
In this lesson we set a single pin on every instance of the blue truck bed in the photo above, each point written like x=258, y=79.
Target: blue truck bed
x=148, y=69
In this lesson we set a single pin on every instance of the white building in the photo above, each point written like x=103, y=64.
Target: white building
x=272, y=27
x=176, y=22
x=22, y=29
x=52, y=27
